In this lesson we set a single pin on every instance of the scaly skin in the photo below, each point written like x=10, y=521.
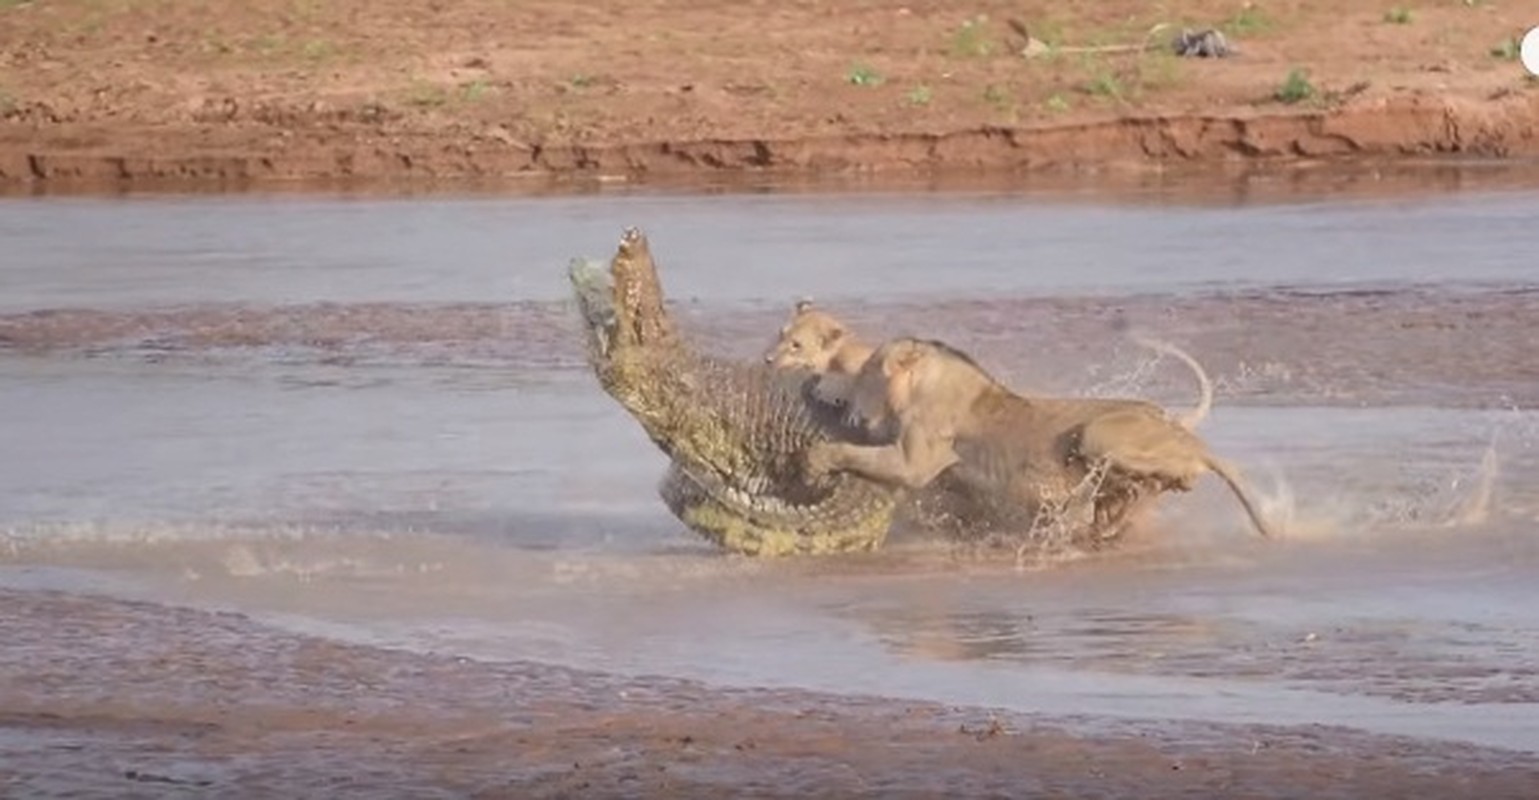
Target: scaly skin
x=735, y=432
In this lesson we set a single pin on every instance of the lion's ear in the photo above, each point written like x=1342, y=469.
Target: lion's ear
x=900, y=360
x=902, y=368
x=832, y=335
x=803, y=305
x=907, y=356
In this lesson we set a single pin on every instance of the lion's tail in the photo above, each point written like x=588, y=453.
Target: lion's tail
x=1191, y=419
x=1231, y=475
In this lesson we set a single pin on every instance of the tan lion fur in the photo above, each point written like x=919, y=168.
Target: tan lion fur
x=817, y=341
x=939, y=410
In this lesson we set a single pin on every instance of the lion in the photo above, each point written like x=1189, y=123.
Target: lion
x=820, y=343
x=938, y=412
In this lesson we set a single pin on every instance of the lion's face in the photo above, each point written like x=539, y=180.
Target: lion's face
x=808, y=341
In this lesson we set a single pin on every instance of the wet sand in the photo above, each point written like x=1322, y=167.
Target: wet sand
x=113, y=699
x=1428, y=346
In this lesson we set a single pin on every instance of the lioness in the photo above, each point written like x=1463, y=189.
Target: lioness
x=817, y=341
x=814, y=340
x=939, y=410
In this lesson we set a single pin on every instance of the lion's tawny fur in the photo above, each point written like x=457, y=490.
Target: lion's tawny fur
x=939, y=410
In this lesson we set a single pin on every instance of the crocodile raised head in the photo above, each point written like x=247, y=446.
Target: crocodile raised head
x=736, y=432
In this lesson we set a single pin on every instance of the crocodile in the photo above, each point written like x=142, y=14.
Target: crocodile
x=736, y=433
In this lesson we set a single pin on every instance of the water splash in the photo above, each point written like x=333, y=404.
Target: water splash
x=1475, y=507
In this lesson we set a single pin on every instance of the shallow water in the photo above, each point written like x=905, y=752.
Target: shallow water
x=123, y=254
x=369, y=419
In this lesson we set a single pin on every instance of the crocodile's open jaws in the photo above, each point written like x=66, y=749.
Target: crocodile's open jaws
x=735, y=432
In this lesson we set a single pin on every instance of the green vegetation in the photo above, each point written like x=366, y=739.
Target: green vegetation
x=273, y=47
x=1249, y=21
x=268, y=43
x=1296, y=88
x=1399, y=15
x=474, y=90
x=426, y=95
x=1508, y=50
x=1104, y=83
x=995, y=96
x=1050, y=32
x=318, y=50
x=1159, y=69
x=920, y=95
x=1124, y=78
x=862, y=75
x=971, y=39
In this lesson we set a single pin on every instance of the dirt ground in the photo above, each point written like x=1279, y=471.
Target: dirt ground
x=108, y=699
x=134, y=90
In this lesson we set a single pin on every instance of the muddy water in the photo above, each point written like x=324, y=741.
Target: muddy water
x=367, y=419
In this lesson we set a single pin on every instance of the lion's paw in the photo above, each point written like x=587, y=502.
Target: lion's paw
x=820, y=461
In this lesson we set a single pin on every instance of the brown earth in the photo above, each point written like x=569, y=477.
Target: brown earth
x=109, y=699
x=134, y=90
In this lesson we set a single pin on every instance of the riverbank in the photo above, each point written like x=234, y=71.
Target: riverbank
x=271, y=92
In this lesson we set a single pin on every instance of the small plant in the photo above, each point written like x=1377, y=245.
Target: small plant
x=1295, y=88
x=582, y=81
x=474, y=90
x=1057, y=104
x=862, y=75
x=1249, y=20
x=1105, y=84
x=269, y=43
x=920, y=95
x=318, y=50
x=1159, y=70
x=1050, y=32
x=971, y=39
x=426, y=95
x=1508, y=50
x=7, y=103
x=1399, y=15
x=994, y=96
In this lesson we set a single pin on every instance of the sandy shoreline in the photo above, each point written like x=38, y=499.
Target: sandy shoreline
x=276, y=93
x=1414, y=127
x=108, y=698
